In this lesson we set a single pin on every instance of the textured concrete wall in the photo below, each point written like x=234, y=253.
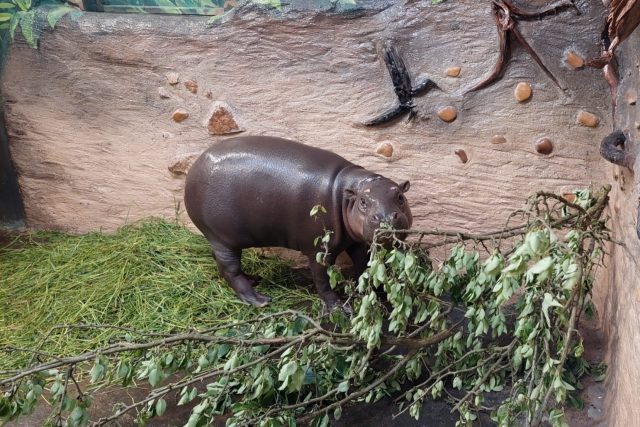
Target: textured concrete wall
x=619, y=301
x=92, y=138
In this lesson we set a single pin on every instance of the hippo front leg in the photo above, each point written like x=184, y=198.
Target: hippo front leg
x=321, y=280
x=359, y=254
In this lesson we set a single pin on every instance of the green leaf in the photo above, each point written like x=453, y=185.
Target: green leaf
x=457, y=383
x=56, y=14
x=4, y=17
x=155, y=376
x=296, y=380
x=343, y=387
x=541, y=266
x=15, y=20
x=317, y=209
x=547, y=302
x=26, y=25
x=337, y=413
x=97, y=371
x=78, y=417
x=24, y=5
x=161, y=406
x=287, y=370
x=7, y=5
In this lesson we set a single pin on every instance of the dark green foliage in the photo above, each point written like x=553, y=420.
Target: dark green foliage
x=497, y=313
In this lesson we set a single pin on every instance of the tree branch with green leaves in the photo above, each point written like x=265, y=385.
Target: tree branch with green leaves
x=498, y=314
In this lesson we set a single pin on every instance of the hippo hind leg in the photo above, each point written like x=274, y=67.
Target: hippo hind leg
x=228, y=261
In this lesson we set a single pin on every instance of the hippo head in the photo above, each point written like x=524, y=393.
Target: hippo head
x=374, y=202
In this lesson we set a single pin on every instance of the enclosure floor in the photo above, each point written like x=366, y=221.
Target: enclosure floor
x=433, y=414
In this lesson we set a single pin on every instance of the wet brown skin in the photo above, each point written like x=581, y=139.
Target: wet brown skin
x=258, y=191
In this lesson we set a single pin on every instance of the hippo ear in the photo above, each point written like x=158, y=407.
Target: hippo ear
x=349, y=194
x=404, y=186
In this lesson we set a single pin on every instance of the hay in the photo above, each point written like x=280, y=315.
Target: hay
x=152, y=276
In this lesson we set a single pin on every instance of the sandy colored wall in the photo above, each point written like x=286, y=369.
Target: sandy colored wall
x=619, y=298
x=92, y=139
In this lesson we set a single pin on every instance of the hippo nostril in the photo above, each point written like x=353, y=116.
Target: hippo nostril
x=394, y=215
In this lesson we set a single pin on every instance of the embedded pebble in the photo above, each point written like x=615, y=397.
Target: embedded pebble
x=637, y=125
x=385, y=149
x=164, y=94
x=462, y=155
x=448, y=114
x=221, y=119
x=587, y=119
x=522, y=91
x=453, y=71
x=544, y=146
x=191, y=86
x=173, y=78
x=631, y=97
x=209, y=94
x=573, y=60
x=179, y=115
x=181, y=164
x=498, y=139
x=570, y=197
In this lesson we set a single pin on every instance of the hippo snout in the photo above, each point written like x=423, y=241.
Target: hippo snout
x=393, y=220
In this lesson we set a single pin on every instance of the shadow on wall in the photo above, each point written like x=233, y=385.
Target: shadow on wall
x=11, y=209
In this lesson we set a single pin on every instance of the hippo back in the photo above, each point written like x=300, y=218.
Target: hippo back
x=258, y=191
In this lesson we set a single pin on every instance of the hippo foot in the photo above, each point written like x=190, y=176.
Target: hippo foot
x=255, y=299
x=255, y=280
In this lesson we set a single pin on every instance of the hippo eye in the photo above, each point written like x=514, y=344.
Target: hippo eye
x=362, y=203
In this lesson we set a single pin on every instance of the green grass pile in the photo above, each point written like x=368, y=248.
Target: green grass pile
x=154, y=276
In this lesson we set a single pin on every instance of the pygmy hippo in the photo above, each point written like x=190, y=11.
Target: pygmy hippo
x=258, y=191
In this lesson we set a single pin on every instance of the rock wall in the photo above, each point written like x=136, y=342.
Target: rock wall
x=619, y=300
x=89, y=113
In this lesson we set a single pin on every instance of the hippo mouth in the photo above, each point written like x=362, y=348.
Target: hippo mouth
x=389, y=237
x=386, y=234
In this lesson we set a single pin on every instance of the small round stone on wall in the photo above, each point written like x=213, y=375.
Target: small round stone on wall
x=448, y=114
x=163, y=93
x=173, y=78
x=587, y=119
x=544, y=146
x=522, y=91
x=180, y=115
x=385, y=149
x=573, y=60
x=191, y=86
x=498, y=139
x=452, y=71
